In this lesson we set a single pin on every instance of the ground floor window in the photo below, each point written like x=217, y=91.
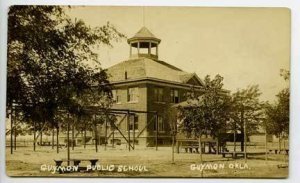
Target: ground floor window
x=160, y=124
x=134, y=122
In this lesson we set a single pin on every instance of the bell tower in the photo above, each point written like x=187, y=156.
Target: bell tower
x=143, y=44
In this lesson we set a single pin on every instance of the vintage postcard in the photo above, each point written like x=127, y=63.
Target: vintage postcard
x=104, y=91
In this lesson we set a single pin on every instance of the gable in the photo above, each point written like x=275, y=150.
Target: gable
x=194, y=81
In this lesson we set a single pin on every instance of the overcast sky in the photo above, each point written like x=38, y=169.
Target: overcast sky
x=244, y=45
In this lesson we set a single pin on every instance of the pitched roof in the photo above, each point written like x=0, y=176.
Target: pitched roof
x=144, y=33
x=147, y=68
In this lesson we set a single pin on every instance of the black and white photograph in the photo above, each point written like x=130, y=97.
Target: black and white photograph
x=147, y=91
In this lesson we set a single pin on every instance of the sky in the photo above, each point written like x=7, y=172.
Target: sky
x=246, y=46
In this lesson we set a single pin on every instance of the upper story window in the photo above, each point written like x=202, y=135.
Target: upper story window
x=116, y=96
x=132, y=94
x=174, y=96
x=158, y=94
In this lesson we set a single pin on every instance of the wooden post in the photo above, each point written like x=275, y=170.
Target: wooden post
x=128, y=128
x=68, y=140
x=130, y=51
x=149, y=48
x=133, y=135
x=156, y=135
x=105, y=143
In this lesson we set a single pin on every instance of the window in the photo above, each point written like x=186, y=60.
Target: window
x=158, y=94
x=160, y=124
x=116, y=96
x=132, y=94
x=134, y=120
x=174, y=96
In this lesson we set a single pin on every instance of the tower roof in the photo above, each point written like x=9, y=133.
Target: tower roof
x=144, y=34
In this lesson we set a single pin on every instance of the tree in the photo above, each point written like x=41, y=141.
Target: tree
x=208, y=113
x=51, y=63
x=171, y=117
x=277, y=114
x=246, y=111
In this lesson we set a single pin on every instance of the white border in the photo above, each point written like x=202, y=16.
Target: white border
x=294, y=5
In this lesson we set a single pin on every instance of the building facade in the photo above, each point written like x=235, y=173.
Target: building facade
x=147, y=84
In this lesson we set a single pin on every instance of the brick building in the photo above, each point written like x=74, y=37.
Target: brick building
x=145, y=83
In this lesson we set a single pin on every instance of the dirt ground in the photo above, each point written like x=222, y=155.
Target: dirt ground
x=151, y=163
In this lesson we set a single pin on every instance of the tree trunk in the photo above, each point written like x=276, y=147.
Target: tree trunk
x=243, y=130
x=34, y=135
x=200, y=147
x=217, y=146
x=266, y=145
x=73, y=138
x=41, y=138
x=15, y=130
x=57, y=142
x=245, y=141
x=96, y=138
x=52, y=144
x=105, y=143
x=242, y=141
x=84, y=141
x=173, y=142
x=11, y=131
x=234, y=139
x=15, y=136
x=68, y=141
x=279, y=143
x=113, y=138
